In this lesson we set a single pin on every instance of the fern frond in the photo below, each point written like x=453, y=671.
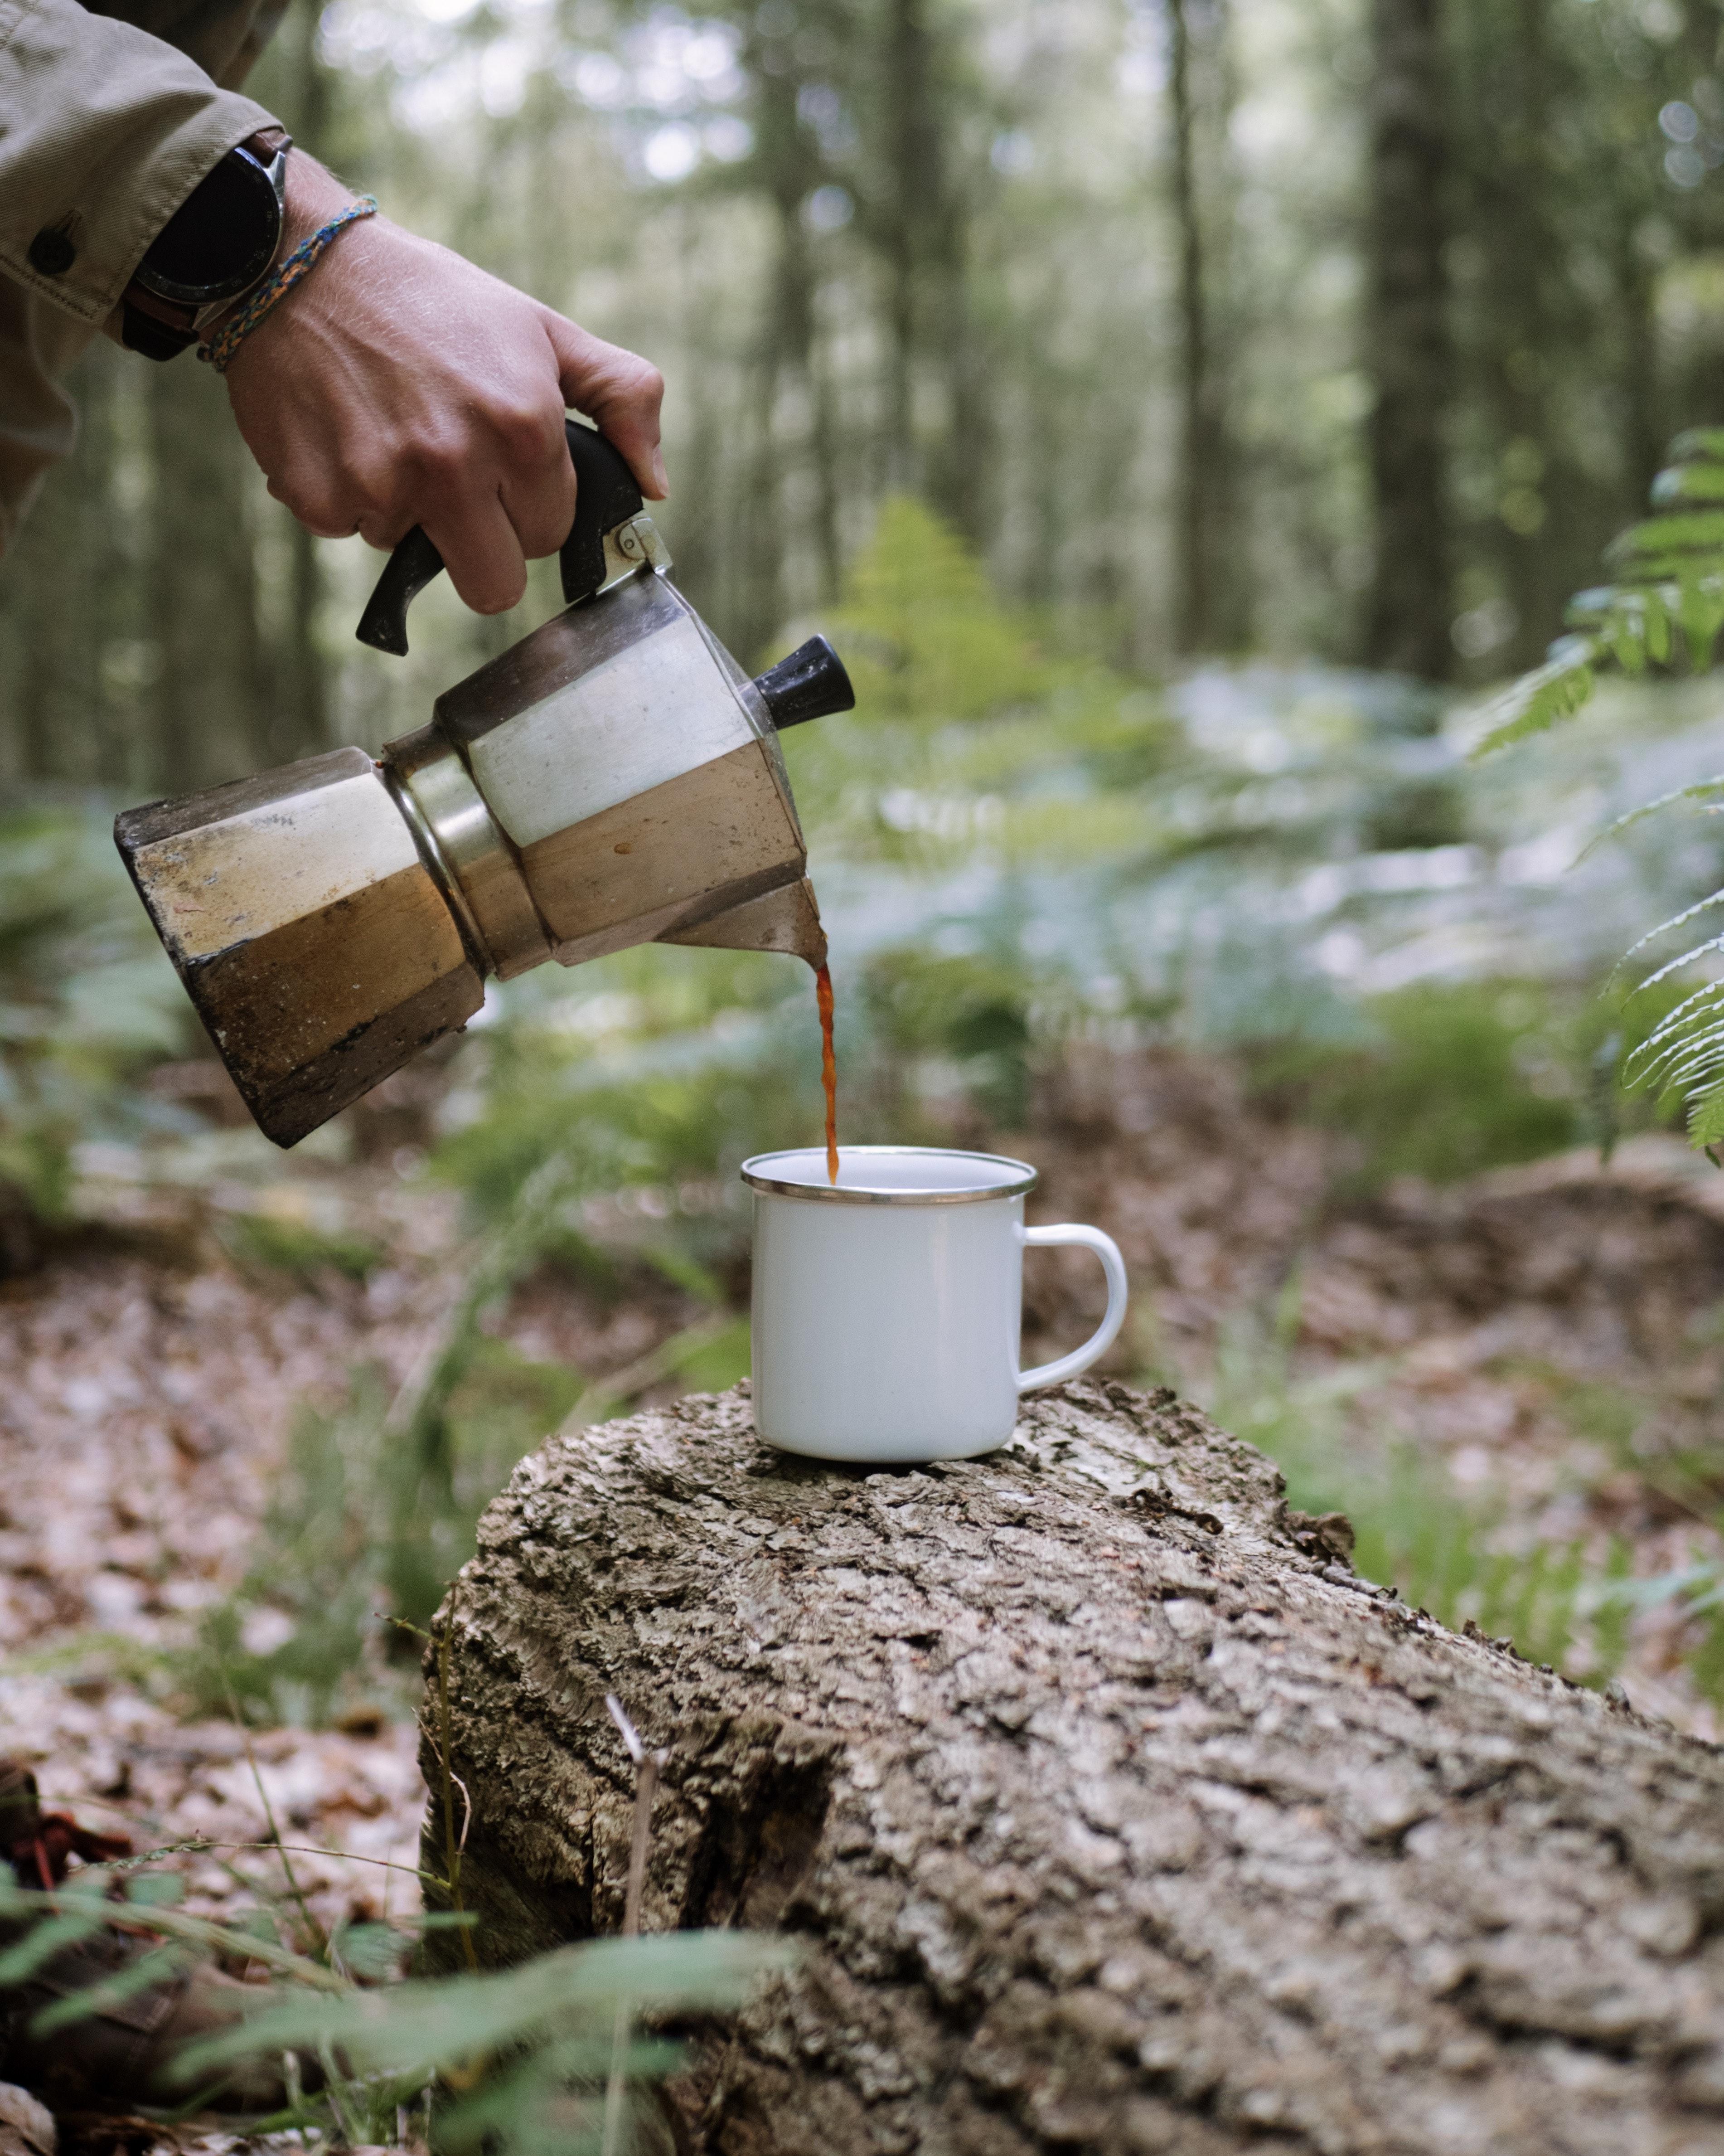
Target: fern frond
x=1701, y=614
x=1671, y=569
x=1699, y=442
x=1705, y=1118
x=1672, y=1019
x=1555, y=691
x=1701, y=480
x=1675, y=965
x=1699, y=791
x=1685, y=1046
x=1677, y=536
x=1687, y=1064
x=1677, y=921
x=1671, y=582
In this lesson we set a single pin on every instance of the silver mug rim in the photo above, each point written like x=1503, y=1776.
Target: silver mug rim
x=827, y=1193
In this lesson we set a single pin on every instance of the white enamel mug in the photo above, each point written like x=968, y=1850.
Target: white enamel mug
x=887, y=1307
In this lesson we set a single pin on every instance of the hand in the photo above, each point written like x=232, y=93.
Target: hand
x=399, y=385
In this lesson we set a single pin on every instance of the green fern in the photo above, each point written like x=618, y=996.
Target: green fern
x=1670, y=588
x=1669, y=600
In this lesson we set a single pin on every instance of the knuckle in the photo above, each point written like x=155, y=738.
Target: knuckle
x=528, y=433
x=435, y=461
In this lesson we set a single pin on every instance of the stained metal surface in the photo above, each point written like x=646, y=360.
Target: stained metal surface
x=318, y=947
x=670, y=855
x=787, y=920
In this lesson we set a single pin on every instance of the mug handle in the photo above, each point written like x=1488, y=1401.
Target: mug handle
x=1107, y=1332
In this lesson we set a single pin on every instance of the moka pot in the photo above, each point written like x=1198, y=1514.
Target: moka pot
x=613, y=779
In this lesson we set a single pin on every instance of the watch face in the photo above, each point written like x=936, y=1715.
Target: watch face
x=223, y=237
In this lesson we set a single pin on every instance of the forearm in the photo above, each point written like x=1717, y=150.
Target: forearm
x=104, y=132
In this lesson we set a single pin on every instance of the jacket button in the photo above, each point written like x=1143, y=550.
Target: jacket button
x=52, y=253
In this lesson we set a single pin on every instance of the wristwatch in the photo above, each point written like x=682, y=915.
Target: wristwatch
x=218, y=244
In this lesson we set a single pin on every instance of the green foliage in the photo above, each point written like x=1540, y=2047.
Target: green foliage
x=87, y=1000
x=307, y=1601
x=972, y=1012
x=1668, y=604
x=1668, y=601
x=969, y=739
x=925, y=637
x=378, y=1504
x=657, y=1067
x=1456, y=1077
x=518, y=2063
x=1414, y=1533
x=1449, y=1083
x=538, y=2039
x=297, y=1248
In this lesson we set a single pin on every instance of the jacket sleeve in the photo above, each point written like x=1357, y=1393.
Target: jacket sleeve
x=104, y=132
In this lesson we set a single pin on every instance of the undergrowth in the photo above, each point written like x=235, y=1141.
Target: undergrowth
x=547, y=2057
x=1566, y=1605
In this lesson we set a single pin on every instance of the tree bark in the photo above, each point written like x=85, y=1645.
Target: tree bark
x=1407, y=344
x=1111, y=1811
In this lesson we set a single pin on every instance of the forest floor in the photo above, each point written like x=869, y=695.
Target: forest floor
x=1550, y=1334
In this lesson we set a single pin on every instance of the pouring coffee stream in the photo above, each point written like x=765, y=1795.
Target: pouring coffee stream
x=828, y=1066
x=613, y=779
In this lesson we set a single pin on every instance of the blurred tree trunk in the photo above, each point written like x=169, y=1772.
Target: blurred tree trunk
x=1643, y=401
x=783, y=358
x=913, y=196
x=924, y=239
x=68, y=598
x=1204, y=604
x=212, y=683
x=294, y=720
x=1511, y=216
x=1407, y=347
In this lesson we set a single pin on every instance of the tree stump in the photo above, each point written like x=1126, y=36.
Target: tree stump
x=1113, y=1812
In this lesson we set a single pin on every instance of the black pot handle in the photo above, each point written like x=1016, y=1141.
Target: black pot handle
x=605, y=496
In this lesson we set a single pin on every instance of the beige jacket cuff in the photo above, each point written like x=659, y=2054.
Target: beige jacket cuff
x=104, y=132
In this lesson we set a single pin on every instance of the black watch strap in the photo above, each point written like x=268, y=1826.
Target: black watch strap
x=143, y=334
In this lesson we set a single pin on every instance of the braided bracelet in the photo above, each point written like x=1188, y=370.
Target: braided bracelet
x=226, y=340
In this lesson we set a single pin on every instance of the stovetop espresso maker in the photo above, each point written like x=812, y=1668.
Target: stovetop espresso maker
x=613, y=779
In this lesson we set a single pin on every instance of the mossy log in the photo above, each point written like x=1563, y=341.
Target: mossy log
x=1112, y=1811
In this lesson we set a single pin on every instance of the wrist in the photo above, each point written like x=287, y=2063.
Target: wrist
x=217, y=246
x=312, y=196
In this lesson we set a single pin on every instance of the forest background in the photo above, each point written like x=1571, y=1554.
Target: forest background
x=1181, y=414
x=1331, y=330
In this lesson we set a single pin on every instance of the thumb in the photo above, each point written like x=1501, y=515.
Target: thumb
x=618, y=391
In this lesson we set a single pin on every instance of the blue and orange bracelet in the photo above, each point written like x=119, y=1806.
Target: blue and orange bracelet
x=219, y=351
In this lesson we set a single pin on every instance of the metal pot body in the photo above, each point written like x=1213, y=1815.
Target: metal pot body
x=313, y=935
x=612, y=779
x=630, y=774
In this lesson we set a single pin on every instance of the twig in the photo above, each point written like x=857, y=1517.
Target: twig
x=622, y=1385
x=647, y=1766
x=453, y=1847
x=319, y=1937
x=331, y=2076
